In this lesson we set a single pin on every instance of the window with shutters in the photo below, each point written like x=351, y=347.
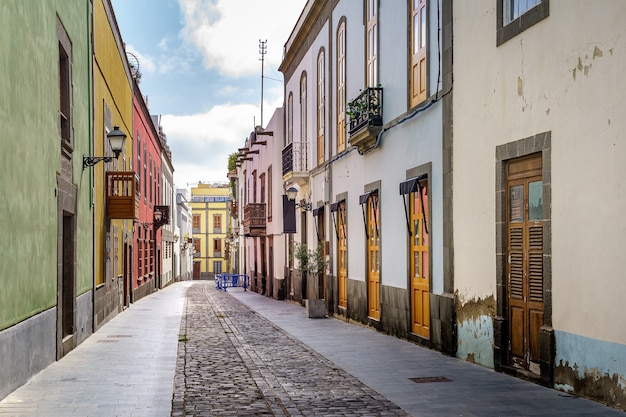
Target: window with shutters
x=303, y=109
x=262, y=182
x=196, y=223
x=139, y=177
x=321, y=108
x=217, y=248
x=418, y=51
x=341, y=87
x=371, y=42
x=269, y=193
x=289, y=119
x=65, y=87
x=217, y=223
x=140, y=244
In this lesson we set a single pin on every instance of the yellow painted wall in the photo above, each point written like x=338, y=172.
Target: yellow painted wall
x=207, y=210
x=112, y=89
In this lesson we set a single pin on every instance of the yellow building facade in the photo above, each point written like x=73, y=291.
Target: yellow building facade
x=113, y=106
x=210, y=220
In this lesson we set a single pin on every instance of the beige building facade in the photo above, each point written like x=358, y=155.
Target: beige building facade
x=539, y=185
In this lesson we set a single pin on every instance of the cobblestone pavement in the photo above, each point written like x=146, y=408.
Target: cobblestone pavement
x=234, y=362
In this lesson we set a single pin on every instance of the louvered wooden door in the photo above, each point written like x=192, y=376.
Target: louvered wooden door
x=525, y=261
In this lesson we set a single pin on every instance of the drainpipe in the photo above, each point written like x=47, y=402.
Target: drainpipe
x=89, y=20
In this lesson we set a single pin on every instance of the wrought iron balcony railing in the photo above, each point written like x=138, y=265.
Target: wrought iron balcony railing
x=295, y=157
x=366, y=118
x=366, y=109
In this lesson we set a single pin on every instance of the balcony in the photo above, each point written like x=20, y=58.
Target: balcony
x=234, y=209
x=121, y=200
x=295, y=163
x=366, y=118
x=254, y=220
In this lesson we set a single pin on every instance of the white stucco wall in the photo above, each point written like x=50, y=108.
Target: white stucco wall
x=563, y=75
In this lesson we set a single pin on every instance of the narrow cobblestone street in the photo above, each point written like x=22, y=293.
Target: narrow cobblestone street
x=232, y=362
x=192, y=350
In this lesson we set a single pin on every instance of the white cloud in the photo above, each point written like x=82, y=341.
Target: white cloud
x=227, y=32
x=201, y=143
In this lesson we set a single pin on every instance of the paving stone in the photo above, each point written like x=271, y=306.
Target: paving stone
x=236, y=362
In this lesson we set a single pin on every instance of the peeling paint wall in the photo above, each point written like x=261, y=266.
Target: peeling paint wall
x=592, y=368
x=475, y=329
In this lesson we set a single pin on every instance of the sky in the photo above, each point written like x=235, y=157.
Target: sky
x=201, y=72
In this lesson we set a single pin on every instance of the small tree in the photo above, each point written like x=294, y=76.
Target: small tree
x=310, y=262
x=232, y=164
x=317, y=262
x=301, y=253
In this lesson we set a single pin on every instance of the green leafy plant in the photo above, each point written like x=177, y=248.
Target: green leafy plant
x=365, y=107
x=232, y=164
x=301, y=254
x=309, y=261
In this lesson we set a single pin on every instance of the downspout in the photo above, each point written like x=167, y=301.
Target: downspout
x=89, y=19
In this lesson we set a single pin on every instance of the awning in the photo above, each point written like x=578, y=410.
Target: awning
x=335, y=206
x=318, y=211
x=411, y=186
x=363, y=198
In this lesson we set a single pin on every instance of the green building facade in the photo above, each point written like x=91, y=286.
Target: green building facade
x=46, y=261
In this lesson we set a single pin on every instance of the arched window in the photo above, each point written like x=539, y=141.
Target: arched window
x=321, y=100
x=341, y=87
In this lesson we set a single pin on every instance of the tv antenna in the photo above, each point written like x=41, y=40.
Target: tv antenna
x=133, y=62
x=262, y=52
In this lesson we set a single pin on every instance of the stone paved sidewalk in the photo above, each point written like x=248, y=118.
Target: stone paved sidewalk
x=234, y=362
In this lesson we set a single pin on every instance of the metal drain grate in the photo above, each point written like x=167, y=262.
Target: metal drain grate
x=425, y=379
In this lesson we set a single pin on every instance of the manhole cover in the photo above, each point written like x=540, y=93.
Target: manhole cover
x=425, y=379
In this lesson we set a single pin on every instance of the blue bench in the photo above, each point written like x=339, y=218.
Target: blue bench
x=223, y=281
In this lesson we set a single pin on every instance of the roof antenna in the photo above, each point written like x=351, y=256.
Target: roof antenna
x=262, y=52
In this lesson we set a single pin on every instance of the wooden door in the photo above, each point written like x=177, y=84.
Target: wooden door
x=373, y=257
x=196, y=270
x=321, y=240
x=342, y=255
x=525, y=261
x=420, y=265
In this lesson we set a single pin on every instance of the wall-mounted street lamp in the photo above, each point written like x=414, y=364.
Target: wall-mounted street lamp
x=160, y=217
x=116, y=140
x=292, y=193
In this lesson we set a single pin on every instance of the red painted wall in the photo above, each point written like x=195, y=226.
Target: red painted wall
x=147, y=166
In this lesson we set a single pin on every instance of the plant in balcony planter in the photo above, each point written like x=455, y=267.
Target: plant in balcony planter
x=356, y=109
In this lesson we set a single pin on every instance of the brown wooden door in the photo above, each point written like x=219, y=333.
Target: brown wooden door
x=420, y=266
x=525, y=261
x=373, y=258
x=196, y=270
